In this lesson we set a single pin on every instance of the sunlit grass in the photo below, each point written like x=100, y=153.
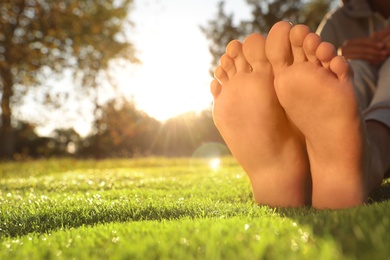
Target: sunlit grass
x=158, y=208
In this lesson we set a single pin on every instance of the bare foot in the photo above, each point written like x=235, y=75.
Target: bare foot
x=314, y=86
x=255, y=127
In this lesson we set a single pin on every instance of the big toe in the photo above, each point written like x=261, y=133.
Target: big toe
x=254, y=51
x=278, y=46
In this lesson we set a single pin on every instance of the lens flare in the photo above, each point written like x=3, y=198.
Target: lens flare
x=215, y=163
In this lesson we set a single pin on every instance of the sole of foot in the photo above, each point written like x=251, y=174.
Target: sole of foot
x=314, y=86
x=255, y=127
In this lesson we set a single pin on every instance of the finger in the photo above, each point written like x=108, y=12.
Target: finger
x=381, y=34
x=363, y=52
x=386, y=42
x=364, y=56
x=364, y=43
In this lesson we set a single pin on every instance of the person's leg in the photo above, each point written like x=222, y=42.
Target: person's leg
x=382, y=91
x=255, y=127
x=379, y=136
x=365, y=78
x=377, y=116
x=315, y=87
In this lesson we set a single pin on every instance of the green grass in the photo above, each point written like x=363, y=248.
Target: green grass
x=160, y=208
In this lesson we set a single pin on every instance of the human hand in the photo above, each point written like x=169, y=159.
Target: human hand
x=383, y=36
x=369, y=49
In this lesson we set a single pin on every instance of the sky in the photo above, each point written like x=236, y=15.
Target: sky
x=173, y=77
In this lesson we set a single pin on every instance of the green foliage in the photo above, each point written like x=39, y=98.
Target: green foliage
x=64, y=142
x=155, y=208
x=121, y=130
x=221, y=30
x=40, y=37
x=56, y=34
x=125, y=131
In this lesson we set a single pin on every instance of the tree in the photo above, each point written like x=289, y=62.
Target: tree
x=124, y=131
x=40, y=37
x=64, y=142
x=26, y=140
x=265, y=13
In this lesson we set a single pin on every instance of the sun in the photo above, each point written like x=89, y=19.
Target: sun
x=173, y=77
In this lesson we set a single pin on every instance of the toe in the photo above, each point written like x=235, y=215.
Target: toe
x=253, y=48
x=325, y=53
x=297, y=36
x=310, y=45
x=215, y=88
x=228, y=65
x=221, y=75
x=340, y=67
x=234, y=50
x=278, y=47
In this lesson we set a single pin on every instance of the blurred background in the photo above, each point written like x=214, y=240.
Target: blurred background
x=122, y=78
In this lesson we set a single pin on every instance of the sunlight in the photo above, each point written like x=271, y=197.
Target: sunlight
x=215, y=163
x=163, y=87
x=173, y=77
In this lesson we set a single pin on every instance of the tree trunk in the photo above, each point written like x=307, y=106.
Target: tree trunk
x=98, y=124
x=7, y=142
x=97, y=150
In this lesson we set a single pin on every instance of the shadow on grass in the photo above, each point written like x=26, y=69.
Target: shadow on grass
x=382, y=194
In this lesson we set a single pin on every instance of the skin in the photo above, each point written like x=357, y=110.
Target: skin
x=255, y=126
x=314, y=85
x=287, y=110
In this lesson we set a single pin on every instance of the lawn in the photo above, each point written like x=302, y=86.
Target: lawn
x=156, y=208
